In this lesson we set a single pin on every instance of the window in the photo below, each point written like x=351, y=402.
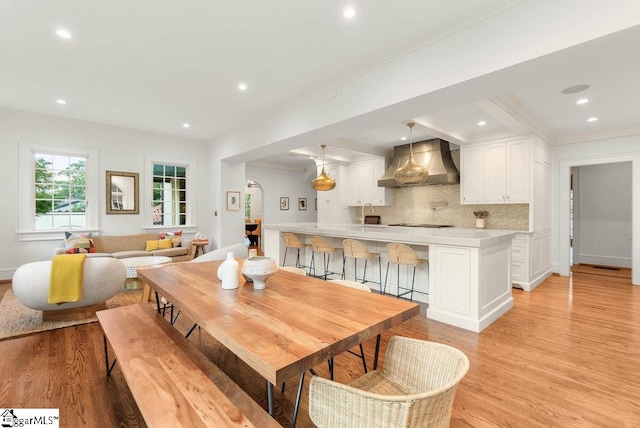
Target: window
x=57, y=185
x=60, y=191
x=169, y=195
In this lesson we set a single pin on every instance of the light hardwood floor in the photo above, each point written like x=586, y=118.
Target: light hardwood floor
x=567, y=355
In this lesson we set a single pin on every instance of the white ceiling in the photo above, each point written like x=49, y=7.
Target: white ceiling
x=154, y=65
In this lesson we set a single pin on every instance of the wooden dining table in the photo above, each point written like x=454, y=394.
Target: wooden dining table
x=291, y=326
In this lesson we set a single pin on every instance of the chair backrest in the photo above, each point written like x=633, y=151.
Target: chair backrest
x=291, y=240
x=354, y=248
x=321, y=245
x=258, y=231
x=352, y=284
x=424, y=366
x=293, y=269
x=402, y=254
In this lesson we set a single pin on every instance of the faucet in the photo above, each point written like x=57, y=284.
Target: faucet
x=363, y=207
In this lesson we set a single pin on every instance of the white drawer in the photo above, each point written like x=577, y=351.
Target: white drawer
x=518, y=254
x=519, y=241
x=518, y=272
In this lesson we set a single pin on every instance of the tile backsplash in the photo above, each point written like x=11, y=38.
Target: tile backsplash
x=413, y=205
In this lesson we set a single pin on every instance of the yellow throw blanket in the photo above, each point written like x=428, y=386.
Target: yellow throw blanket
x=65, y=281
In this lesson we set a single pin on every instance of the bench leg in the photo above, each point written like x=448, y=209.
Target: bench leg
x=106, y=357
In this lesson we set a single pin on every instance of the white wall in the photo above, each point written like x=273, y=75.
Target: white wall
x=625, y=149
x=278, y=183
x=602, y=207
x=119, y=149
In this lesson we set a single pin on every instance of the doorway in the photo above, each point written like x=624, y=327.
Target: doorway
x=600, y=219
x=253, y=215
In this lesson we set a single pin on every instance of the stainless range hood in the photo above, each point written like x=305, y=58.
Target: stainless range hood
x=434, y=154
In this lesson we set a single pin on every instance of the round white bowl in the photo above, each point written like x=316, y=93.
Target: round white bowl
x=258, y=269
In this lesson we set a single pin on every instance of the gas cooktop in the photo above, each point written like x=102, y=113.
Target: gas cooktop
x=436, y=226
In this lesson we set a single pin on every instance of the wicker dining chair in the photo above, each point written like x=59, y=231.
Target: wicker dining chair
x=293, y=269
x=416, y=388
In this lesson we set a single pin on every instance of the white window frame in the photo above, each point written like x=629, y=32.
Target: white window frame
x=26, y=184
x=147, y=210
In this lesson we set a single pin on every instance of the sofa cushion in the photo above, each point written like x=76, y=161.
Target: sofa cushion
x=170, y=252
x=75, y=244
x=127, y=254
x=159, y=244
x=176, y=237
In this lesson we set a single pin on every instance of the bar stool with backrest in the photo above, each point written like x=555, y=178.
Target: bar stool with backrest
x=322, y=246
x=401, y=254
x=357, y=250
x=292, y=241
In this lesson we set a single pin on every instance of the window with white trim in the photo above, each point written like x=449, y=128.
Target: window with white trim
x=56, y=188
x=171, y=192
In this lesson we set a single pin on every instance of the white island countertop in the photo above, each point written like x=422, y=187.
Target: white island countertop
x=407, y=235
x=469, y=270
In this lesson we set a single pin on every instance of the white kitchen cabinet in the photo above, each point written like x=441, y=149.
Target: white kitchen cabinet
x=496, y=172
x=362, y=184
x=471, y=177
x=530, y=259
x=332, y=207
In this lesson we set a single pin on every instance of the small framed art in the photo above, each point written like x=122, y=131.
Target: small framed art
x=284, y=203
x=233, y=201
x=302, y=204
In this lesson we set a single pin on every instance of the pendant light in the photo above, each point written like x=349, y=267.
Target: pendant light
x=411, y=172
x=323, y=182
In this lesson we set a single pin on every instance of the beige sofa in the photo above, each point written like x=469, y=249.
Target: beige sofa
x=124, y=246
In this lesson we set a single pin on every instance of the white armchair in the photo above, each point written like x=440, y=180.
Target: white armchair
x=103, y=278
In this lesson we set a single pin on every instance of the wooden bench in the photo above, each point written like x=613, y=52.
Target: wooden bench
x=172, y=382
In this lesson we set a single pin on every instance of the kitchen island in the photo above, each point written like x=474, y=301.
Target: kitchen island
x=468, y=280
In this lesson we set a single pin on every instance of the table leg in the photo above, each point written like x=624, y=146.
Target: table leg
x=377, y=352
x=296, y=407
x=158, y=303
x=270, y=397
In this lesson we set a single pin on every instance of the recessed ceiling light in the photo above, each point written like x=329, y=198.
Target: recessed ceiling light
x=349, y=12
x=403, y=139
x=592, y=119
x=582, y=101
x=242, y=86
x=185, y=125
x=63, y=34
x=482, y=123
x=61, y=101
x=575, y=89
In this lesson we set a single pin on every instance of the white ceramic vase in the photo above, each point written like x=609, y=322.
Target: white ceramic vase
x=258, y=269
x=480, y=223
x=228, y=272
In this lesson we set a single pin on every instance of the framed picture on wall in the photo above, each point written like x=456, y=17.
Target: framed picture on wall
x=233, y=201
x=302, y=204
x=284, y=203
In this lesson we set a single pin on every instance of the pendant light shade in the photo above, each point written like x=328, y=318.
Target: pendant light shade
x=323, y=182
x=411, y=172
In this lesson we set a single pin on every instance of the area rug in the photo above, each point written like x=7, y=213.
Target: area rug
x=18, y=320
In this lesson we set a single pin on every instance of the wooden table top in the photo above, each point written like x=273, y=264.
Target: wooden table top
x=292, y=325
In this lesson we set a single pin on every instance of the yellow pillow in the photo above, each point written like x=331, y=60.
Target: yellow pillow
x=160, y=244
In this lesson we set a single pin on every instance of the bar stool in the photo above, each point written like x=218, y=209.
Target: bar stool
x=321, y=245
x=401, y=254
x=357, y=250
x=292, y=241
